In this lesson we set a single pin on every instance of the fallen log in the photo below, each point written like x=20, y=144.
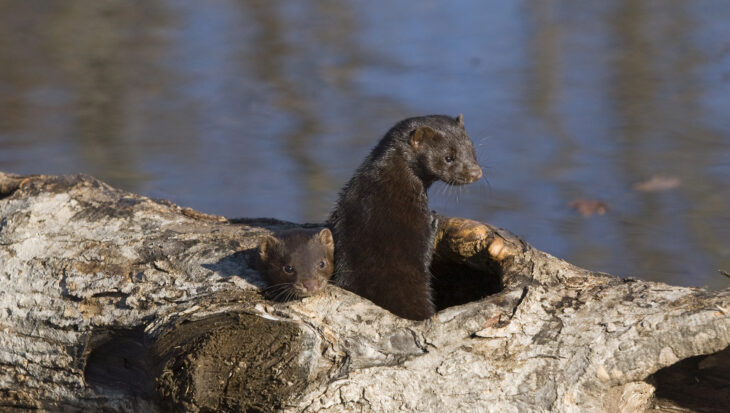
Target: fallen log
x=111, y=301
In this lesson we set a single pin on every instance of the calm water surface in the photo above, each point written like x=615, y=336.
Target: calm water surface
x=265, y=108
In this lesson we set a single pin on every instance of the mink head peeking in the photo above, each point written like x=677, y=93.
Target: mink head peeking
x=297, y=263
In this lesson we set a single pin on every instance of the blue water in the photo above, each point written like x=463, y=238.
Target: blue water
x=265, y=108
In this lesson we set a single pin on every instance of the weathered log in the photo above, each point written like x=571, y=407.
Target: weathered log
x=111, y=301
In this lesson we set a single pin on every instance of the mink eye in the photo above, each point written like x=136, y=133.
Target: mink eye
x=321, y=264
x=449, y=159
x=288, y=269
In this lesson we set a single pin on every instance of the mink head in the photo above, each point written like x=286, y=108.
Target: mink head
x=443, y=151
x=297, y=263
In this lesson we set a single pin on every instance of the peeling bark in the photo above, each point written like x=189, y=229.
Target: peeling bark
x=111, y=301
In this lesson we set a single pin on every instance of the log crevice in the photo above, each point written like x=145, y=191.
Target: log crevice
x=700, y=383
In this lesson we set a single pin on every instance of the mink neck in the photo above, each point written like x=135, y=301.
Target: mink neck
x=416, y=167
x=424, y=176
x=402, y=164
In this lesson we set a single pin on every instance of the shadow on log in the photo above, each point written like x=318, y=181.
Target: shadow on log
x=112, y=301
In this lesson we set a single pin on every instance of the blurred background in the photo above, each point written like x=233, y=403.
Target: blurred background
x=603, y=127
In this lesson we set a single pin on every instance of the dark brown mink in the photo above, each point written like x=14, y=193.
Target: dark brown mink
x=382, y=225
x=296, y=263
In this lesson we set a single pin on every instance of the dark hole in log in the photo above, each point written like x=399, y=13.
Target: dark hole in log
x=7, y=190
x=697, y=384
x=116, y=363
x=455, y=283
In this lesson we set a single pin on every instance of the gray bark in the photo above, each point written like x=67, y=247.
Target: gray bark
x=111, y=301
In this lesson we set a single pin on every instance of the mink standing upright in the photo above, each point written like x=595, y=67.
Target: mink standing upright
x=382, y=226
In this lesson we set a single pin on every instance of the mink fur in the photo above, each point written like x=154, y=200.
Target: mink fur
x=382, y=226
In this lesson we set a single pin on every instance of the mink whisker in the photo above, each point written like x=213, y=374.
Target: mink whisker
x=277, y=294
x=278, y=285
x=489, y=185
x=280, y=293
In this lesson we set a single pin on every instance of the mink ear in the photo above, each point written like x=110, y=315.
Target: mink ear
x=267, y=243
x=420, y=135
x=325, y=236
x=460, y=120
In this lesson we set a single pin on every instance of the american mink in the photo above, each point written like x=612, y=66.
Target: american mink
x=382, y=226
x=296, y=263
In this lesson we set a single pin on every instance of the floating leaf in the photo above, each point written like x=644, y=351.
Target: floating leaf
x=657, y=183
x=588, y=207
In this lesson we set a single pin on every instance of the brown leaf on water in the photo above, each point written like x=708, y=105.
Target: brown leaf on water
x=657, y=183
x=588, y=207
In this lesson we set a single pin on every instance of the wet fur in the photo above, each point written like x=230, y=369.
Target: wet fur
x=382, y=226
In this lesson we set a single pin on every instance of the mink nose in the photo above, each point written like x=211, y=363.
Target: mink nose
x=310, y=285
x=475, y=173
